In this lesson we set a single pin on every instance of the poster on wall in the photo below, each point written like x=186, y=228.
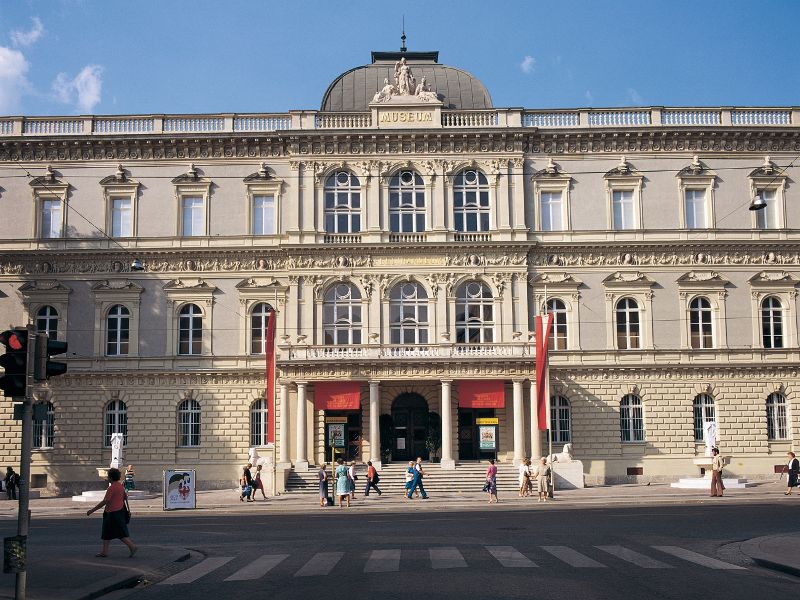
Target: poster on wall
x=336, y=435
x=487, y=434
x=179, y=490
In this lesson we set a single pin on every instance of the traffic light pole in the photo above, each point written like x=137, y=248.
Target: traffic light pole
x=23, y=515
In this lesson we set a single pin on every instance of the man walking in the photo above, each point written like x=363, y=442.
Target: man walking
x=716, y=473
x=12, y=483
x=372, y=479
x=419, y=473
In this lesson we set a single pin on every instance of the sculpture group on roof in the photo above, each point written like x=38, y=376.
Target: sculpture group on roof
x=405, y=85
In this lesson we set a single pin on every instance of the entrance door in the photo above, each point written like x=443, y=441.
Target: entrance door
x=410, y=416
x=468, y=443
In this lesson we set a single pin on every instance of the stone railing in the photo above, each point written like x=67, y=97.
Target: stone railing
x=342, y=238
x=404, y=351
x=407, y=238
x=472, y=237
x=647, y=117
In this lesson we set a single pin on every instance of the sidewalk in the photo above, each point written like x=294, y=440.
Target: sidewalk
x=777, y=552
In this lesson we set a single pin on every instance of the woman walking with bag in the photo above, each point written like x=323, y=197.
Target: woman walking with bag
x=342, y=482
x=543, y=480
x=246, y=481
x=524, y=477
x=115, y=516
x=491, y=482
x=792, y=469
x=258, y=484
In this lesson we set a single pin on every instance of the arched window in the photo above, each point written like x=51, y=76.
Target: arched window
x=474, y=313
x=777, y=428
x=259, y=320
x=703, y=413
x=558, y=332
x=189, y=423
x=118, y=330
x=700, y=327
x=342, y=203
x=190, y=330
x=471, y=201
x=259, y=422
x=44, y=429
x=631, y=419
x=116, y=421
x=47, y=321
x=772, y=322
x=408, y=314
x=406, y=203
x=341, y=315
x=628, y=324
x=560, y=419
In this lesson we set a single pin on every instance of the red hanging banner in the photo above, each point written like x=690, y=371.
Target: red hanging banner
x=270, y=376
x=337, y=395
x=542, y=371
x=481, y=393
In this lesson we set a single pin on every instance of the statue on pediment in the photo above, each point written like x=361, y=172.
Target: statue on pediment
x=404, y=78
x=405, y=84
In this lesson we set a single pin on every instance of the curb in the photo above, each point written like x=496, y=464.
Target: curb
x=753, y=550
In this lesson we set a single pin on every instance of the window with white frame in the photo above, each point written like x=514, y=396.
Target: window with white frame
x=408, y=313
x=631, y=419
x=552, y=210
x=116, y=421
x=777, y=423
x=772, y=322
x=118, y=331
x=628, y=324
x=471, y=210
x=190, y=330
x=44, y=429
x=342, y=203
x=50, y=218
x=474, y=313
x=121, y=217
x=703, y=409
x=47, y=321
x=264, y=215
x=406, y=203
x=193, y=220
x=558, y=331
x=767, y=217
x=189, y=423
x=560, y=419
x=695, y=205
x=701, y=319
x=341, y=315
x=259, y=422
x=623, y=213
x=259, y=323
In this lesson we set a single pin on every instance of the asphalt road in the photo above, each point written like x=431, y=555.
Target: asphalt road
x=623, y=552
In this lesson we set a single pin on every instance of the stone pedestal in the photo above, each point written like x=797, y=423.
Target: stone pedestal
x=704, y=483
x=447, y=464
x=568, y=475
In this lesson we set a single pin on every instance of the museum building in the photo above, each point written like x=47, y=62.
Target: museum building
x=362, y=279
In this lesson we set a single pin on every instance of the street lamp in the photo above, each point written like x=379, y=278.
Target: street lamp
x=758, y=203
x=137, y=265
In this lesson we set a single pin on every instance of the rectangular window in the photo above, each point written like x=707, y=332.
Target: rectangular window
x=551, y=211
x=121, y=217
x=264, y=215
x=192, y=216
x=622, y=210
x=51, y=219
x=767, y=218
x=696, y=209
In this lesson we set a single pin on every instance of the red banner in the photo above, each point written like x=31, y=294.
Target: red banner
x=270, y=376
x=542, y=371
x=481, y=393
x=337, y=395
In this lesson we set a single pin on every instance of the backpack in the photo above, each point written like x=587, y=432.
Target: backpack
x=377, y=478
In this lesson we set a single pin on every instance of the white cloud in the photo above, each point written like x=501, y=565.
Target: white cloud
x=26, y=38
x=634, y=96
x=13, y=83
x=528, y=64
x=589, y=97
x=84, y=90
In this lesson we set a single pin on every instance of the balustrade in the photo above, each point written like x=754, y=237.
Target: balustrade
x=343, y=120
x=123, y=125
x=619, y=118
x=194, y=124
x=470, y=118
x=342, y=238
x=692, y=117
x=551, y=120
x=402, y=351
x=761, y=116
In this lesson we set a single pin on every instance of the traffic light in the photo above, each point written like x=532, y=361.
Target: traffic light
x=43, y=367
x=15, y=362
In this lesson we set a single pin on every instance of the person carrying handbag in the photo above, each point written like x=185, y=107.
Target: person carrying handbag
x=116, y=516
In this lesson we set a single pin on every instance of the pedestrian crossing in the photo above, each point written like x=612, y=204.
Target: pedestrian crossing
x=443, y=558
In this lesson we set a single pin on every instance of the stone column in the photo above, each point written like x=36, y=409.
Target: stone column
x=374, y=423
x=283, y=444
x=519, y=221
x=447, y=427
x=301, y=460
x=536, y=439
x=519, y=422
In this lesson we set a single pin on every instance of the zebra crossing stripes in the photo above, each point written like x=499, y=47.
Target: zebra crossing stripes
x=258, y=568
x=321, y=563
x=572, y=557
x=510, y=557
x=383, y=561
x=700, y=559
x=446, y=557
x=204, y=567
x=631, y=556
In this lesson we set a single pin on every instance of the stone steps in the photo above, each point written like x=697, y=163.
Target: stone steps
x=96, y=495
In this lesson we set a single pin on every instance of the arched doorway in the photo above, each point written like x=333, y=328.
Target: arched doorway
x=410, y=417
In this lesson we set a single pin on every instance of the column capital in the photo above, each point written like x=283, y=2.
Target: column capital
x=448, y=381
x=519, y=380
x=374, y=381
x=301, y=383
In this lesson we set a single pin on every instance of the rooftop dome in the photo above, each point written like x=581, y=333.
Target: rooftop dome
x=353, y=90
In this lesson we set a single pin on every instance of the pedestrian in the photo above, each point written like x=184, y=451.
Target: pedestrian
x=524, y=477
x=246, y=481
x=115, y=516
x=792, y=469
x=419, y=473
x=543, y=479
x=351, y=474
x=258, y=484
x=323, y=485
x=409, y=480
x=491, y=481
x=12, y=483
x=129, y=475
x=716, y=473
x=342, y=482
x=372, y=479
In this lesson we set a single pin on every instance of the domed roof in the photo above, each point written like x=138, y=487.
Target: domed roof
x=353, y=90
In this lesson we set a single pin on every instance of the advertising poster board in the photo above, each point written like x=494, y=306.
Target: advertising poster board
x=487, y=436
x=179, y=490
x=336, y=435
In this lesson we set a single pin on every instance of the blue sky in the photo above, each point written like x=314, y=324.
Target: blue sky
x=158, y=56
